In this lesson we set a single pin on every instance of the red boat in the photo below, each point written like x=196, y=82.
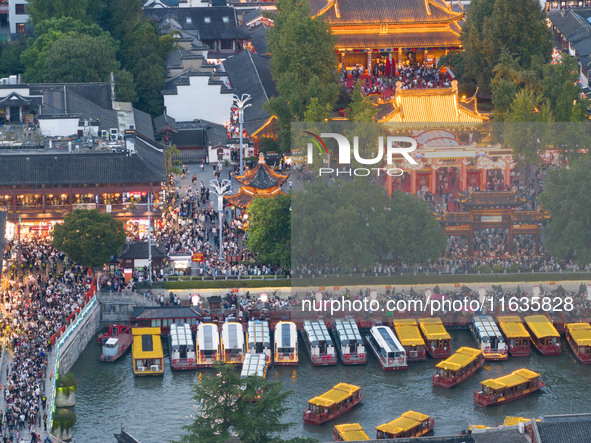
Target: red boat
x=578, y=336
x=515, y=335
x=544, y=335
x=518, y=384
x=116, y=341
x=457, y=368
x=332, y=404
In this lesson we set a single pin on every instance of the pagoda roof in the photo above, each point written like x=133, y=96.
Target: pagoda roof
x=432, y=107
x=356, y=12
x=261, y=177
x=447, y=36
x=243, y=198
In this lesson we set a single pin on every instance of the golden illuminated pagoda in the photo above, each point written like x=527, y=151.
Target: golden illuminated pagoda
x=400, y=30
x=261, y=181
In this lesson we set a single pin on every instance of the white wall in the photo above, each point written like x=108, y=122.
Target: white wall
x=58, y=127
x=199, y=100
x=13, y=18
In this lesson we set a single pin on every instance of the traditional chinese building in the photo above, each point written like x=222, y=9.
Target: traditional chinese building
x=494, y=210
x=261, y=181
x=397, y=30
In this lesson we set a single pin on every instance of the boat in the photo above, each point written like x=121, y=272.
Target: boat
x=286, y=344
x=349, y=432
x=410, y=337
x=518, y=384
x=387, y=348
x=208, y=345
x=349, y=343
x=515, y=334
x=258, y=338
x=117, y=342
x=457, y=368
x=578, y=336
x=182, y=348
x=319, y=343
x=332, y=404
x=544, y=335
x=489, y=338
x=409, y=425
x=233, y=345
x=437, y=339
x=509, y=421
x=254, y=365
x=147, y=353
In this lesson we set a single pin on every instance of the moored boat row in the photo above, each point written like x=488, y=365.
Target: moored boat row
x=411, y=339
x=319, y=343
x=349, y=343
x=182, y=349
x=544, y=335
x=516, y=335
x=489, y=338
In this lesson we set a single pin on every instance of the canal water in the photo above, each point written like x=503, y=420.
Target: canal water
x=155, y=409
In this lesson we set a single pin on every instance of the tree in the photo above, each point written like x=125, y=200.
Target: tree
x=227, y=409
x=269, y=230
x=10, y=62
x=302, y=64
x=360, y=109
x=518, y=27
x=83, y=10
x=80, y=58
x=567, y=199
x=89, y=237
x=124, y=86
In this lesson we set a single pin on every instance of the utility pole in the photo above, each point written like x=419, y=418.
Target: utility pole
x=241, y=105
x=220, y=189
x=149, y=238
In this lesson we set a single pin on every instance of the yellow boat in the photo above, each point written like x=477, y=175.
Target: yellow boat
x=509, y=421
x=408, y=425
x=332, y=404
x=516, y=335
x=410, y=337
x=544, y=335
x=437, y=339
x=578, y=336
x=349, y=432
x=457, y=368
x=146, y=351
x=518, y=384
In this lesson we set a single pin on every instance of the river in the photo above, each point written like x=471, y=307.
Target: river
x=155, y=409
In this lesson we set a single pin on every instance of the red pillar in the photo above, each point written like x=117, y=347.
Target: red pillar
x=507, y=173
x=413, y=181
x=463, y=176
x=389, y=184
x=433, y=181
x=483, y=177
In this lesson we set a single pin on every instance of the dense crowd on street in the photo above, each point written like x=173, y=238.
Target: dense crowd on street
x=38, y=298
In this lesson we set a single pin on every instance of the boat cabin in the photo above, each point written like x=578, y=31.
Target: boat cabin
x=111, y=347
x=410, y=337
x=349, y=432
x=233, y=343
x=387, y=349
x=147, y=353
x=164, y=316
x=319, y=343
x=489, y=337
x=458, y=367
x=578, y=336
x=510, y=387
x=437, y=339
x=182, y=348
x=254, y=365
x=349, y=342
x=543, y=334
x=332, y=404
x=286, y=344
x=409, y=425
x=208, y=345
x=259, y=338
x=516, y=335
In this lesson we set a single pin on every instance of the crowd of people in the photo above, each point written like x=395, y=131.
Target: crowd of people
x=38, y=298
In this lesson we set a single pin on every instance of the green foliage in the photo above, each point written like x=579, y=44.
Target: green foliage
x=567, y=198
x=493, y=26
x=484, y=269
x=269, y=230
x=513, y=268
x=10, y=62
x=83, y=10
x=266, y=144
x=124, y=86
x=360, y=109
x=89, y=237
x=80, y=58
x=355, y=223
x=172, y=161
x=64, y=418
x=316, y=112
x=497, y=268
x=67, y=383
x=227, y=409
x=455, y=60
x=302, y=65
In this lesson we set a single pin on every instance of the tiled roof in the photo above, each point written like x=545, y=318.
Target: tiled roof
x=164, y=121
x=438, y=37
x=53, y=169
x=258, y=35
x=570, y=21
x=509, y=434
x=140, y=250
x=355, y=12
x=244, y=196
x=167, y=312
x=261, y=177
x=143, y=123
x=431, y=106
x=212, y=23
x=563, y=428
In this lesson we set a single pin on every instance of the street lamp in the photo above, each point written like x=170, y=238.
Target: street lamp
x=220, y=188
x=241, y=105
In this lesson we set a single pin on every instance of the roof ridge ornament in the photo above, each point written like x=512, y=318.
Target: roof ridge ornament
x=427, y=7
